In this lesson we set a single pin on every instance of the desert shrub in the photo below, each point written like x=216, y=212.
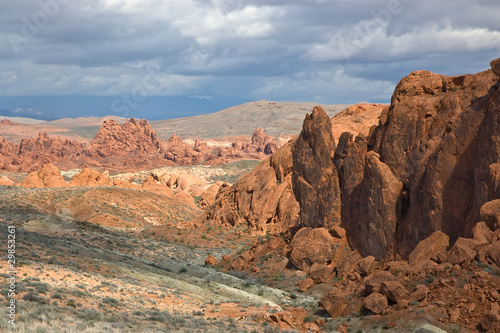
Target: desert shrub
x=161, y=316
x=71, y=303
x=56, y=296
x=32, y=297
x=110, y=301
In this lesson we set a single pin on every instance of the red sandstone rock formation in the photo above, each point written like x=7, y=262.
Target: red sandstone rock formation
x=6, y=181
x=131, y=137
x=90, y=177
x=48, y=176
x=430, y=164
x=263, y=143
x=150, y=184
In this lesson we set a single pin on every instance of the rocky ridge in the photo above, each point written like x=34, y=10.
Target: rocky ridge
x=130, y=146
x=416, y=194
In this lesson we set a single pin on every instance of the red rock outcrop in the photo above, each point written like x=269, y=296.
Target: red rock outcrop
x=113, y=139
x=315, y=178
x=6, y=181
x=263, y=198
x=150, y=184
x=263, y=143
x=126, y=184
x=32, y=153
x=208, y=197
x=48, y=176
x=181, y=153
x=439, y=141
x=90, y=177
x=276, y=195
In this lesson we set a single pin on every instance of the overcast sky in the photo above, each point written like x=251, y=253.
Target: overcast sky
x=325, y=51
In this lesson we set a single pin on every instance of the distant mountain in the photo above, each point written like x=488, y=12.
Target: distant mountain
x=275, y=118
x=26, y=112
x=22, y=120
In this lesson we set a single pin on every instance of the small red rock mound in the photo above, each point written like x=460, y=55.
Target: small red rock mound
x=126, y=184
x=7, y=122
x=48, y=176
x=151, y=184
x=6, y=181
x=89, y=177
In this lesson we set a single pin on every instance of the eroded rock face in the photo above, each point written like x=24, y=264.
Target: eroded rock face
x=263, y=198
x=429, y=166
x=314, y=176
x=437, y=140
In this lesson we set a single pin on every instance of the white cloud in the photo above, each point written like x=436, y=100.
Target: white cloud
x=212, y=25
x=371, y=40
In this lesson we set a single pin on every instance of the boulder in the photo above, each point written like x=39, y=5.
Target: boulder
x=334, y=303
x=337, y=232
x=210, y=260
x=461, y=253
x=433, y=247
x=490, y=213
x=482, y=232
x=373, y=283
x=394, y=290
x=493, y=252
x=376, y=303
x=419, y=293
x=490, y=321
x=321, y=273
x=366, y=265
x=305, y=284
x=310, y=246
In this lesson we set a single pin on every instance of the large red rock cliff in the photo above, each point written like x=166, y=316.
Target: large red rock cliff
x=430, y=163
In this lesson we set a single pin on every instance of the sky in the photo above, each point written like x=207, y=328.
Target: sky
x=169, y=58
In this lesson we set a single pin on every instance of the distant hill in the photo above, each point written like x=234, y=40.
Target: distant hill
x=22, y=120
x=275, y=118
x=25, y=112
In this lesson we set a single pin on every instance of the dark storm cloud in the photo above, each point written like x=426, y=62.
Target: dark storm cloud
x=315, y=50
